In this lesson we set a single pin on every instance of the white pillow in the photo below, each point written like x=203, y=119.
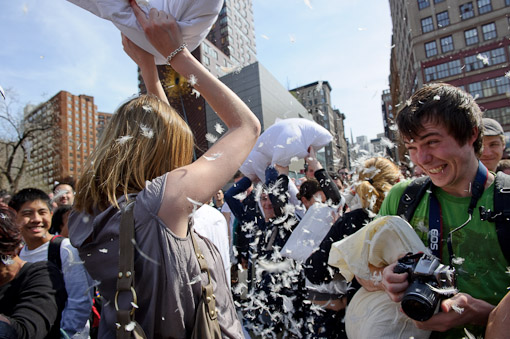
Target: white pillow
x=195, y=18
x=255, y=164
x=284, y=140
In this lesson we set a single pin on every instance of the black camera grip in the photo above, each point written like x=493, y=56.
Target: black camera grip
x=400, y=268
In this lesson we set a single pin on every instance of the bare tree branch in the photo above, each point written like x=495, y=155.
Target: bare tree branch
x=15, y=135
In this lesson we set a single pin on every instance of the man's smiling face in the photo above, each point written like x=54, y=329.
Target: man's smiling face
x=441, y=157
x=34, y=220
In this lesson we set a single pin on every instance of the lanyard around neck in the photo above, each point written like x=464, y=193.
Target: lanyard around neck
x=435, y=215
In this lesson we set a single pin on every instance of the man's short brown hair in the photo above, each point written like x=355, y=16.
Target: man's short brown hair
x=448, y=105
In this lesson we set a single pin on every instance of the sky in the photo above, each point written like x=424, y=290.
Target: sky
x=53, y=45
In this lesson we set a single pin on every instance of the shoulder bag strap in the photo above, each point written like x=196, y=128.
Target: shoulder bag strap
x=126, y=277
x=207, y=290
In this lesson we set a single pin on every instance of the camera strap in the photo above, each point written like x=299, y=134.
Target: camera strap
x=436, y=219
x=435, y=226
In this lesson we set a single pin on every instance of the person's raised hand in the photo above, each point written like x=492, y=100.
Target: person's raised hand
x=282, y=169
x=160, y=28
x=138, y=55
x=312, y=161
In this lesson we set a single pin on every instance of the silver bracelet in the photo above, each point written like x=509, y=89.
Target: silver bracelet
x=174, y=53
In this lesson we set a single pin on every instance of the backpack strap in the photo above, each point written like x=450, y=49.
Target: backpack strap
x=501, y=213
x=411, y=197
x=54, y=251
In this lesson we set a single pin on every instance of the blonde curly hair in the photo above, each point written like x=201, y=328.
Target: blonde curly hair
x=376, y=178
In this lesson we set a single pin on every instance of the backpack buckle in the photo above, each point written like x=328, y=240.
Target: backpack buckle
x=488, y=215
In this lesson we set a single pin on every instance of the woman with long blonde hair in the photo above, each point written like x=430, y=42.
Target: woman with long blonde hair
x=145, y=153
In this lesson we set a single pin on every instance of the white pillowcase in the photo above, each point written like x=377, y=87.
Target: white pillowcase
x=284, y=140
x=195, y=18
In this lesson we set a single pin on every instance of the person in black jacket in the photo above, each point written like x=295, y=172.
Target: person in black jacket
x=274, y=305
x=374, y=180
x=32, y=295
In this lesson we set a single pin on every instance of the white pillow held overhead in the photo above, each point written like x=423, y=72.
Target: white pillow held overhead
x=284, y=140
x=194, y=17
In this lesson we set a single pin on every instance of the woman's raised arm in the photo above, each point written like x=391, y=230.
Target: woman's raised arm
x=145, y=61
x=200, y=180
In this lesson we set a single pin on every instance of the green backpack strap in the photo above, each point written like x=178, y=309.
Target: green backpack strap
x=411, y=197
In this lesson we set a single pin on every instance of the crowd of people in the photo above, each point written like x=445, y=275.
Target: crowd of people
x=267, y=257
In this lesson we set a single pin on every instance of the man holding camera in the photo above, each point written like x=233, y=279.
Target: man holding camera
x=441, y=127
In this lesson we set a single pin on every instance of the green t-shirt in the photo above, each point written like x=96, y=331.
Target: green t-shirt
x=480, y=264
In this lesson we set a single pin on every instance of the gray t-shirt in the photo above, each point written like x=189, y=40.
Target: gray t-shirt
x=167, y=275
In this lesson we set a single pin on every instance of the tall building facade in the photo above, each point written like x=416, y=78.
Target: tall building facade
x=234, y=32
x=60, y=149
x=229, y=46
x=263, y=94
x=316, y=97
x=462, y=42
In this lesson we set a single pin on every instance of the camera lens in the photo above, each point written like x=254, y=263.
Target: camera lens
x=419, y=302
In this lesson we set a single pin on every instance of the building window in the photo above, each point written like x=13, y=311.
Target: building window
x=438, y=1
x=207, y=62
x=489, y=88
x=423, y=4
x=502, y=115
x=447, y=44
x=475, y=89
x=498, y=56
x=443, y=19
x=489, y=31
x=507, y=2
x=454, y=67
x=442, y=70
x=473, y=63
x=430, y=49
x=467, y=11
x=484, y=6
x=503, y=85
x=471, y=36
x=430, y=74
x=427, y=25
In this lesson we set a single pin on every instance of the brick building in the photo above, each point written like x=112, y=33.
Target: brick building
x=61, y=150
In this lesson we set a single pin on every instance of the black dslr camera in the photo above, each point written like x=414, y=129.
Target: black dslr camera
x=425, y=271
